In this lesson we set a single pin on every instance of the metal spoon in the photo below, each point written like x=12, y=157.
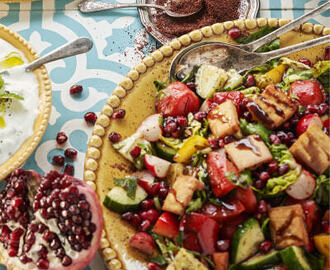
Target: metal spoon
x=78, y=46
x=228, y=56
x=88, y=6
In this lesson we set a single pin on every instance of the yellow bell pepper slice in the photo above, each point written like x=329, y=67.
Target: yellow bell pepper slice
x=271, y=77
x=322, y=243
x=190, y=147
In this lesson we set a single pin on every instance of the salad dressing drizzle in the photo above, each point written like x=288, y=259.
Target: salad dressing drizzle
x=247, y=143
x=260, y=114
x=278, y=110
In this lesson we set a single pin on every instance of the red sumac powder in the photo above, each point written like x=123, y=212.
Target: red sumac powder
x=213, y=11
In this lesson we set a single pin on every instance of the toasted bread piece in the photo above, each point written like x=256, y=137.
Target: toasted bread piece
x=249, y=152
x=181, y=193
x=273, y=107
x=185, y=260
x=313, y=149
x=223, y=119
x=287, y=226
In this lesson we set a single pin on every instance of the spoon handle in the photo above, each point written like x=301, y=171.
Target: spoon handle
x=91, y=6
x=295, y=48
x=280, y=31
x=78, y=46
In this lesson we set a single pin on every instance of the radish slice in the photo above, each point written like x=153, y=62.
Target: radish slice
x=157, y=166
x=150, y=128
x=145, y=176
x=303, y=188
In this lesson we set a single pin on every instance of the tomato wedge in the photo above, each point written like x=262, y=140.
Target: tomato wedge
x=308, y=92
x=247, y=198
x=217, y=166
x=235, y=96
x=177, y=99
x=225, y=212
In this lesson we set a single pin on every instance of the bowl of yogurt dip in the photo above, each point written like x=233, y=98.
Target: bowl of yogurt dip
x=25, y=101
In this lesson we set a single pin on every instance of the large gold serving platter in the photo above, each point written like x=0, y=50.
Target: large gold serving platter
x=136, y=94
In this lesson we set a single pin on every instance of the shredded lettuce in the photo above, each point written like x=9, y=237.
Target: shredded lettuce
x=195, y=127
x=321, y=72
x=172, y=142
x=322, y=191
x=295, y=75
x=278, y=184
x=251, y=91
x=244, y=180
x=257, y=128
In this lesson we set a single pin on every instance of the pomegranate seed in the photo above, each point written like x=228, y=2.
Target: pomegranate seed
x=312, y=108
x=259, y=184
x=154, y=266
x=75, y=89
x=323, y=109
x=223, y=245
x=58, y=160
x=114, y=137
x=48, y=236
x=68, y=169
x=199, y=116
x=272, y=167
x=234, y=33
x=265, y=246
x=221, y=143
x=12, y=252
x=325, y=226
x=145, y=225
x=66, y=261
x=264, y=176
x=152, y=215
x=127, y=216
x=176, y=133
x=25, y=259
x=90, y=117
x=154, y=190
x=135, y=152
x=305, y=61
x=170, y=127
x=229, y=139
x=182, y=121
x=136, y=220
x=262, y=207
x=274, y=139
x=61, y=138
x=163, y=193
x=43, y=264
x=16, y=201
x=284, y=168
x=147, y=204
x=249, y=81
x=70, y=153
x=213, y=143
x=191, y=86
x=327, y=53
x=119, y=114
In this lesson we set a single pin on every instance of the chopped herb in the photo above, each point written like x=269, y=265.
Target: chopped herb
x=207, y=259
x=179, y=239
x=191, y=75
x=194, y=205
x=129, y=184
x=159, y=259
x=11, y=96
x=256, y=35
x=160, y=85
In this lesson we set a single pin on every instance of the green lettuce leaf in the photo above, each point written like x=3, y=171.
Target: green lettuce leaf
x=11, y=96
x=321, y=72
x=278, y=184
x=273, y=45
x=256, y=35
x=293, y=75
x=322, y=191
x=243, y=181
x=257, y=128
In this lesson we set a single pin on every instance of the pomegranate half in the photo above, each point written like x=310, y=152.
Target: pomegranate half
x=50, y=222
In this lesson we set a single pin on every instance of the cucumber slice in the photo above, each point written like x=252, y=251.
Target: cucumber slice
x=294, y=258
x=261, y=261
x=118, y=201
x=246, y=240
x=209, y=79
x=165, y=151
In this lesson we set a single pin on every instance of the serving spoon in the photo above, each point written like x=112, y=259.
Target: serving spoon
x=89, y=6
x=228, y=56
x=75, y=47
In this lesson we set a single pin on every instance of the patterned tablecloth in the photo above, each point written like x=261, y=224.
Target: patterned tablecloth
x=119, y=43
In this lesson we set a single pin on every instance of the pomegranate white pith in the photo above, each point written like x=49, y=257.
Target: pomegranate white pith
x=54, y=222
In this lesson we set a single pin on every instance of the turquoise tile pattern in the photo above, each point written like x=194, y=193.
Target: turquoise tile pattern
x=118, y=37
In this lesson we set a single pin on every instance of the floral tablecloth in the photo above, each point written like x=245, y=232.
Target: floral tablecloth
x=119, y=43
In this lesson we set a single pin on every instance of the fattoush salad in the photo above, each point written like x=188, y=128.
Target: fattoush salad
x=232, y=170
